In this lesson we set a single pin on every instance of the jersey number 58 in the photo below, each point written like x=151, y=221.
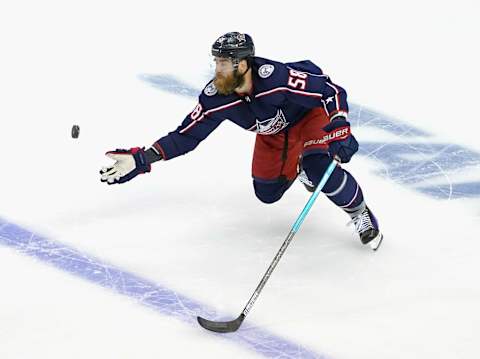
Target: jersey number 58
x=297, y=79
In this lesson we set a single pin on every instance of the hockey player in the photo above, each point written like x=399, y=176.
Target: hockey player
x=298, y=114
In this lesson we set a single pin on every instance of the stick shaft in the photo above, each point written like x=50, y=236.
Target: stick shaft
x=293, y=231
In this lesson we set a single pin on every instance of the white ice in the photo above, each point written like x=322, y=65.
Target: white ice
x=193, y=225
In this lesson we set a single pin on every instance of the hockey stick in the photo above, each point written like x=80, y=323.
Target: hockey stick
x=233, y=325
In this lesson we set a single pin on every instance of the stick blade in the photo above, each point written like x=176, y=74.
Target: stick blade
x=221, y=327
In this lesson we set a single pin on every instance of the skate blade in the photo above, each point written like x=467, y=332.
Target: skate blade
x=375, y=243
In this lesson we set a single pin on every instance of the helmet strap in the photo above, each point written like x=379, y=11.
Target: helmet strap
x=236, y=62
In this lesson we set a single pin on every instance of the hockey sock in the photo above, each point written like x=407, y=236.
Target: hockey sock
x=341, y=188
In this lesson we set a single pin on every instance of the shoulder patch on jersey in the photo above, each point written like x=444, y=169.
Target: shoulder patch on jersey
x=265, y=70
x=210, y=90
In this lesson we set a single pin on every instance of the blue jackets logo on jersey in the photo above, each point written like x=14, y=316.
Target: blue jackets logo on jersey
x=271, y=126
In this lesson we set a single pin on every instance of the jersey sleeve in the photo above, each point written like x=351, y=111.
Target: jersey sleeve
x=314, y=89
x=196, y=126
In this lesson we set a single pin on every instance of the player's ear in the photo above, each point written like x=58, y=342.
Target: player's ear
x=243, y=66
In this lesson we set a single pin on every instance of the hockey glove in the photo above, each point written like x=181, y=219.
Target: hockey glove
x=128, y=164
x=341, y=143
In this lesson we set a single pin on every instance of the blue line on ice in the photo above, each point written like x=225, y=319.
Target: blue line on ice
x=412, y=159
x=152, y=295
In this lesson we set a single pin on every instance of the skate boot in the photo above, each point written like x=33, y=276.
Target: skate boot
x=366, y=226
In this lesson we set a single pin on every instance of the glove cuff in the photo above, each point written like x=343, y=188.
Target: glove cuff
x=140, y=159
x=338, y=116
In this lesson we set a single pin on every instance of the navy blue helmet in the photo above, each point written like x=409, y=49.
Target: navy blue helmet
x=234, y=45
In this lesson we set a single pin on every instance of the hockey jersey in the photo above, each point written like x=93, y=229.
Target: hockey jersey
x=282, y=94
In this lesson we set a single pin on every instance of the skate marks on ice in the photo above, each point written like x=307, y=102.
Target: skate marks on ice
x=407, y=155
x=144, y=292
x=413, y=158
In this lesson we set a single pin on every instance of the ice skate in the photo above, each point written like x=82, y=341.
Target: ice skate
x=302, y=177
x=366, y=226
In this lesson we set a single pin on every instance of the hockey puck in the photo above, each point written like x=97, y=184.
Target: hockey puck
x=75, y=131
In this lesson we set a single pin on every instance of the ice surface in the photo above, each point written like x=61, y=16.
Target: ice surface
x=121, y=272
x=161, y=299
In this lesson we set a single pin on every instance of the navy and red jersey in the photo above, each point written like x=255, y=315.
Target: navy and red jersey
x=282, y=95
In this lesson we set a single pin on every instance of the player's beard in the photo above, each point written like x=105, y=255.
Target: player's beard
x=226, y=85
